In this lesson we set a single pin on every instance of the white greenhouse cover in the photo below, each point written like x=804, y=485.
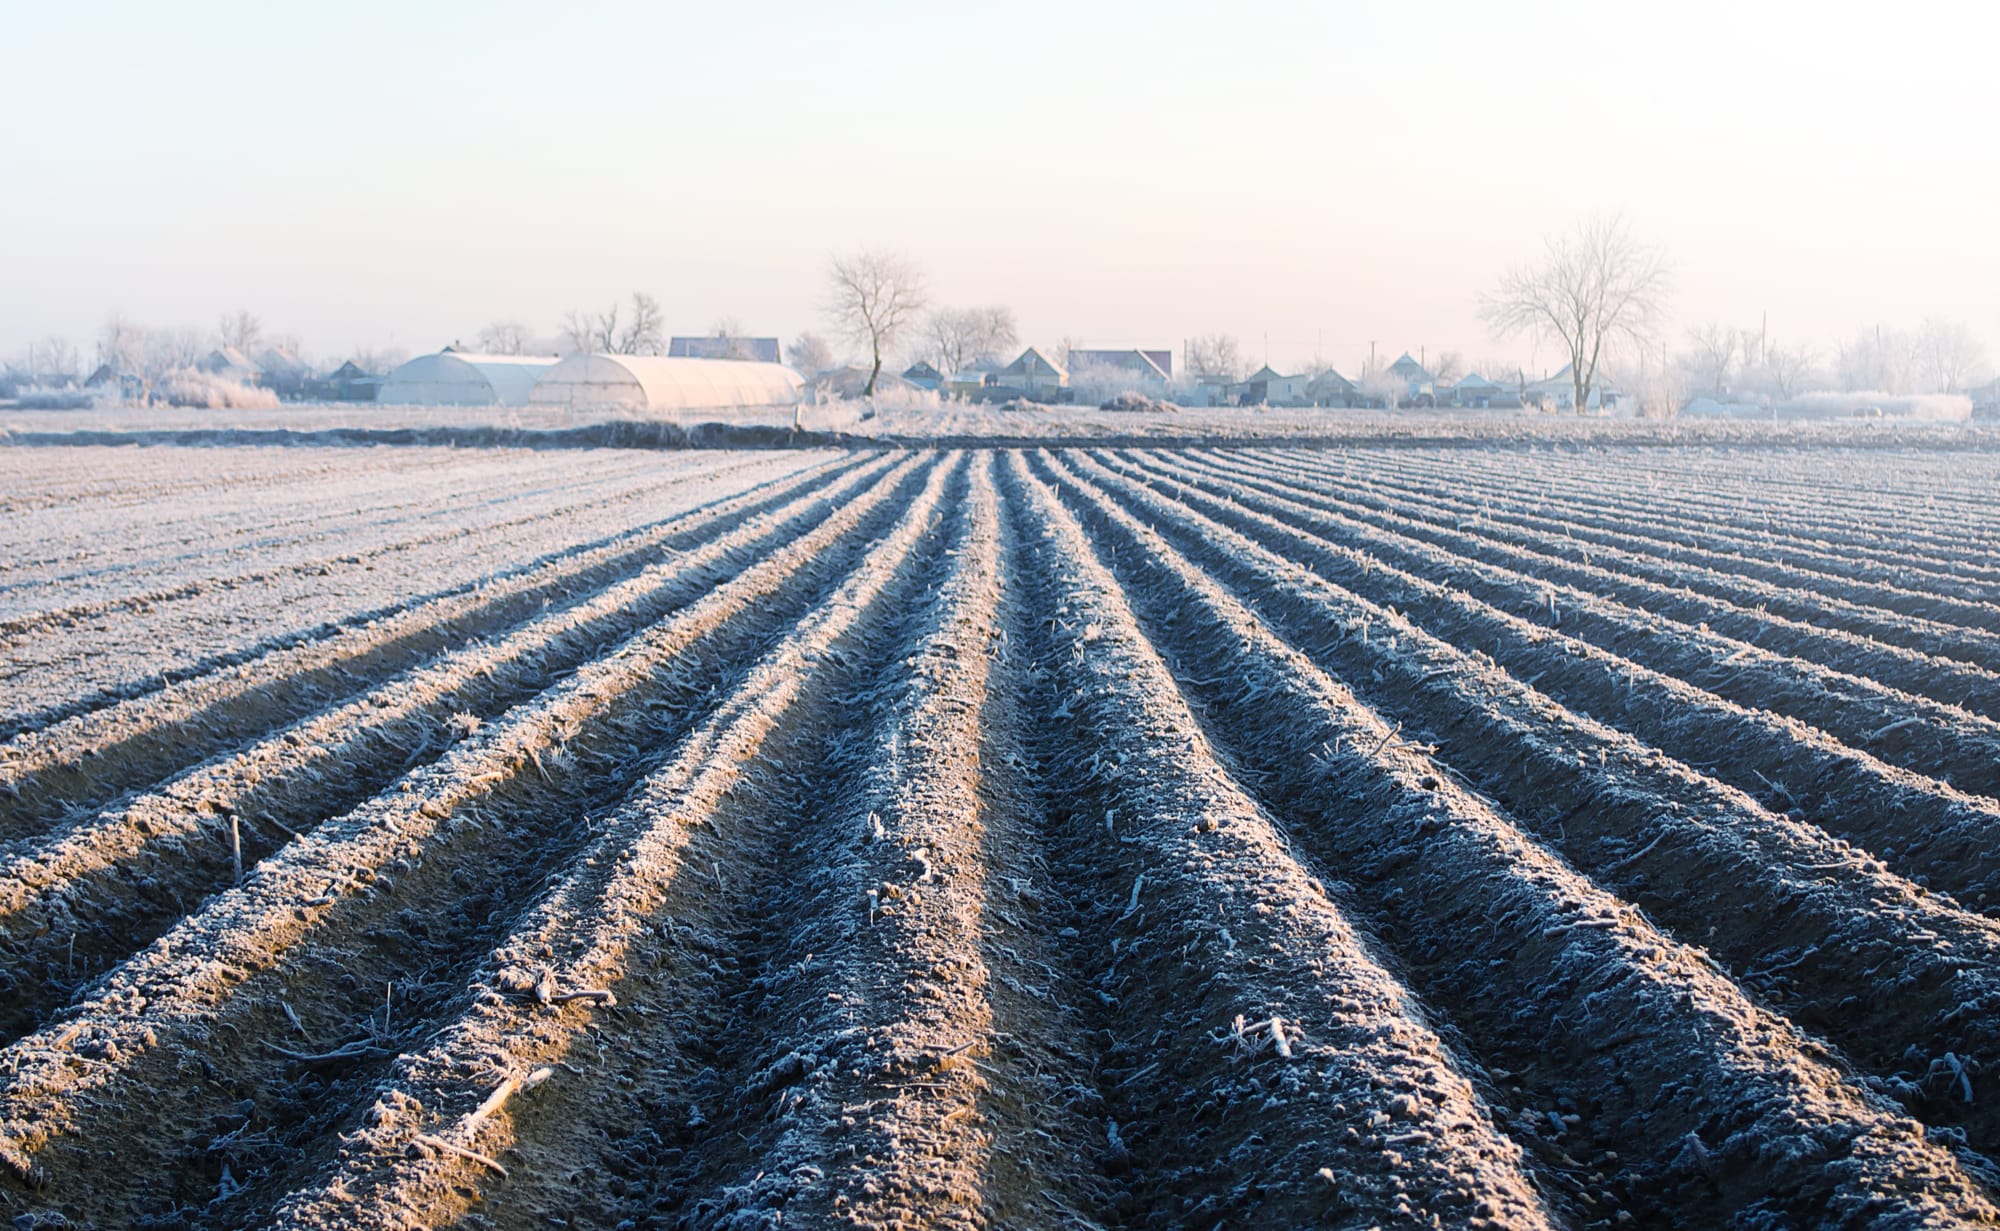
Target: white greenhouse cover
x=453, y=378
x=649, y=382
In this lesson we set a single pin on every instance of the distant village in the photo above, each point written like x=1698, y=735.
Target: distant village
x=1079, y=375
x=632, y=369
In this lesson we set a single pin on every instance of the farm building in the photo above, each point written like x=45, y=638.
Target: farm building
x=1558, y=392
x=1479, y=393
x=454, y=378
x=1033, y=374
x=228, y=363
x=923, y=375
x=1330, y=388
x=651, y=382
x=1269, y=387
x=1155, y=365
x=1420, y=388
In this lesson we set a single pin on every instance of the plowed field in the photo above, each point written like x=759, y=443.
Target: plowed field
x=1081, y=837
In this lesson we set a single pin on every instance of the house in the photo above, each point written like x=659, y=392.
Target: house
x=761, y=350
x=965, y=384
x=283, y=372
x=1479, y=393
x=1146, y=365
x=923, y=375
x=1330, y=388
x=350, y=383
x=1558, y=392
x=1419, y=388
x=1268, y=387
x=228, y=363
x=1033, y=375
x=852, y=382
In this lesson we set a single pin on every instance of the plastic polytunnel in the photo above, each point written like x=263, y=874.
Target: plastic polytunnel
x=452, y=378
x=649, y=382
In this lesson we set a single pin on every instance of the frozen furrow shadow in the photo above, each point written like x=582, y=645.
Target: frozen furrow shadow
x=1652, y=1080
x=274, y=990
x=606, y=1006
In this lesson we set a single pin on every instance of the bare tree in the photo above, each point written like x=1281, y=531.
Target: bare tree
x=241, y=329
x=119, y=343
x=809, y=355
x=378, y=360
x=1595, y=290
x=1948, y=356
x=641, y=335
x=1714, y=355
x=579, y=330
x=875, y=296
x=54, y=361
x=1446, y=370
x=959, y=337
x=174, y=349
x=1787, y=369
x=1878, y=360
x=1215, y=354
x=1061, y=350
x=504, y=338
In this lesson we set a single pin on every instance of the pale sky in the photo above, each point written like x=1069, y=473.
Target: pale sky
x=1319, y=174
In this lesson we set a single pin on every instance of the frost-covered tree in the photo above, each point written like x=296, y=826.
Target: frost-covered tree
x=579, y=329
x=642, y=334
x=1786, y=370
x=875, y=298
x=379, y=359
x=242, y=330
x=1215, y=354
x=960, y=337
x=1595, y=289
x=1949, y=358
x=1878, y=360
x=809, y=355
x=53, y=362
x=1713, y=358
x=1446, y=370
x=504, y=338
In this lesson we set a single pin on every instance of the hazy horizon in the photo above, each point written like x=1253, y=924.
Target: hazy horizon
x=1125, y=175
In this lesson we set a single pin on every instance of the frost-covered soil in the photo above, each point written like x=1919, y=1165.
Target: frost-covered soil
x=119, y=568
x=1483, y=835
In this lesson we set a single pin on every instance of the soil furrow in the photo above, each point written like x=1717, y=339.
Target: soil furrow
x=1754, y=516
x=289, y=609
x=889, y=1074
x=646, y=919
x=1915, y=733
x=93, y=893
x=1941, y=679
x=1268, y=1069
x=1717, y=1112
x=1948, y=639
x=86, y=761
x=351, y=906
x=1897, y=976
x=1923, y=827
x=1580, y=515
